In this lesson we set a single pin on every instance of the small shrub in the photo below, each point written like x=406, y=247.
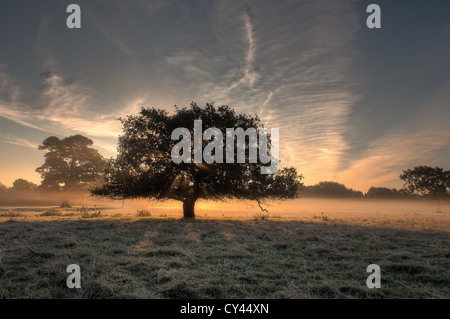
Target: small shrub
x=322, y=217
x=85, y=213
x=261, y=216
x=70, y=213
x=143, y=213
x=91, y=215
x=9, y=213
x=51, y=212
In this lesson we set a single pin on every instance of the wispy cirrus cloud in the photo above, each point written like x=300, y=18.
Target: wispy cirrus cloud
x=10, y=106
x=9, y=92
x=249, y=75
x=112, y=34
x=265, y=103
x=65, y=108
x=420, y=138
x=294, y=75
x=249, y=71
x=386, y=158
x=13, y=140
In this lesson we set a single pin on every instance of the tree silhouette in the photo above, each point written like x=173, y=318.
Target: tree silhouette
x=70, y=164
x=21, y=184
x=3, y=188
x=144, y=167
x=387, y=193
x=330, y=190
x=427, y=181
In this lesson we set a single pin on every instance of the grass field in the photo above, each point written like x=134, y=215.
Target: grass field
x=149, y=253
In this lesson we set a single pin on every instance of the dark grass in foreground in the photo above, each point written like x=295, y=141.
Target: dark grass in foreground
x=219, y=259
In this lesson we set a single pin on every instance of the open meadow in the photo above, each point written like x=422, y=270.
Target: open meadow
x=306, y=248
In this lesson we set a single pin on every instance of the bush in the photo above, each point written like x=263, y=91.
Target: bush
x=51, y=212
x=9, y=213
x=143, y=213
x=261, y=216
x=85, y=213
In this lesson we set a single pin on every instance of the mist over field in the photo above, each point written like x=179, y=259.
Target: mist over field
x=413, y=214
x=418, y=214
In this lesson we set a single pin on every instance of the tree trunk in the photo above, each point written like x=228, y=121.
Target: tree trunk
x=65, y=203
x=188, y=208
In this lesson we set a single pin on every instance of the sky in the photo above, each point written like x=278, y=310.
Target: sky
x=353, y=105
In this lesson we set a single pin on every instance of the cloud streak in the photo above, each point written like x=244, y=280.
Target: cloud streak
x=291, y=74
x=251, y=51
x=18, y=141
x=301, y=84
x=420, y=138
x=66, y=109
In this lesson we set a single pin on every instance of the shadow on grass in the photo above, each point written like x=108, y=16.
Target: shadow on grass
x=154, y=258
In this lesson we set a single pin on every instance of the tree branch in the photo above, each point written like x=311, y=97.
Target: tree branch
x=259, y=204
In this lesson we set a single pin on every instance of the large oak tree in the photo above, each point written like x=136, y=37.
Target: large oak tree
x=144, y=167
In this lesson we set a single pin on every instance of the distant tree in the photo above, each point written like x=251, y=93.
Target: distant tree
x=385, y=193
x=70, y=164
x=3, y=188
x=427, y=181
x=23, y=185
x=330, y=190
x=144, y=167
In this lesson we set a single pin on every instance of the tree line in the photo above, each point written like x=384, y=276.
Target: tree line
x=330, y=189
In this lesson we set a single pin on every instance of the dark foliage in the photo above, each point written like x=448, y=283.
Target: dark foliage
x=144, y=167
x=388, y=193
x=70, y=164
x=427, y=181
x=330, y=190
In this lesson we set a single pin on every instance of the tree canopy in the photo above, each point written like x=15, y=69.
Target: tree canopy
x=386, y=193
x=144, y=167
x=330, y=190
x=427, y=181
x=70, y=163
x=21, y=184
